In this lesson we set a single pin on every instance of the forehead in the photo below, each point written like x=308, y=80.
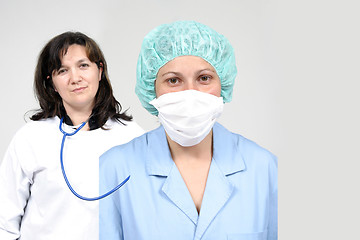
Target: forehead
x=73, y=51
x=183, y=63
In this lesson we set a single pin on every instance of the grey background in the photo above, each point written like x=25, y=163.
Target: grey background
x=296, y=93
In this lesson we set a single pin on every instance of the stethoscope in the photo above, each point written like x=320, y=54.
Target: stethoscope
x=63, y=170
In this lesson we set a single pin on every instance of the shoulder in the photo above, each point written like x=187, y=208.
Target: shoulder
x=133, y=150
x=121, y=160
x=35, y=133
x=252, y=149
x=239, y=154
x=130, y=127
x=130, y=147
x=33, y=129
x=31, y=140
x=249, y=150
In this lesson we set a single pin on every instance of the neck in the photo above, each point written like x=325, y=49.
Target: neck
x=78, y=117
x=199, y=152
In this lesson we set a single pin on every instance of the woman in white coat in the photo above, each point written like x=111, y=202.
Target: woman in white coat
x=71, y=83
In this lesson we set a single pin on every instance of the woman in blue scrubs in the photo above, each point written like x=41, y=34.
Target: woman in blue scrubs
x=191, y=178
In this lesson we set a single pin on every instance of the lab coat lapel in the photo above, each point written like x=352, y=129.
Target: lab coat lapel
x=176, y=190
x=160, y=164
x=226, y=151
x=158, y=161
x=226, y=160
x=217, y=192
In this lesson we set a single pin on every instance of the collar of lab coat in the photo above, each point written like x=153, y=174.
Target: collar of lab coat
x=225, y=146
x=226, y=161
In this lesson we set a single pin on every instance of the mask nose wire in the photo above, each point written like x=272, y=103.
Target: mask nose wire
x=63, y=169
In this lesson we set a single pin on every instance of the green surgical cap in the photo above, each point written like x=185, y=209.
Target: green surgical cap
x=168, y=41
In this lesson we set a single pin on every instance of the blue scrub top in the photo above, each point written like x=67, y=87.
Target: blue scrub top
x=239, y=202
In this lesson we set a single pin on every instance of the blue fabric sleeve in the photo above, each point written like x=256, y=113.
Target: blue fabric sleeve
x=273, y=202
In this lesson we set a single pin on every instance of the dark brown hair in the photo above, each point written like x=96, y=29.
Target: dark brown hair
x=51, y=105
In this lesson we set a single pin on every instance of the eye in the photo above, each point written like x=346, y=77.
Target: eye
x=84, y=65
x=173, y=81
x=61, y=71
x=205, y=78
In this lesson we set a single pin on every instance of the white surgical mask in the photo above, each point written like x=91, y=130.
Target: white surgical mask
x=188, y=116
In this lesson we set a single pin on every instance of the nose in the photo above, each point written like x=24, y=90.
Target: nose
x=75, y=76
x=191, y=85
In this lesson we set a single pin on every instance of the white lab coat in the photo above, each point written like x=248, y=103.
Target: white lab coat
x=35, y=202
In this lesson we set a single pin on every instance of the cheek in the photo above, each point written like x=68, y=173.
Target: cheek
x=159, y=92
x=217, y=91
x=214, y=89
x=162, y=89
x=55, y=85
x=59, y=86
x=158, y=89
x=97, y=85
x=100, y=72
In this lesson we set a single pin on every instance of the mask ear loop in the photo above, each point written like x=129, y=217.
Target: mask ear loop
x=63, y=169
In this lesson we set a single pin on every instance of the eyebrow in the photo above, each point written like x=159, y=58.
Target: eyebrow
x=178, y=73
x=79, y=61
x=83, y=60
x=207, y=69
x=175, y=73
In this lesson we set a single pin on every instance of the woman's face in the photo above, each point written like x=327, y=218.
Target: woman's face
x=77, y=80
x=185, y=73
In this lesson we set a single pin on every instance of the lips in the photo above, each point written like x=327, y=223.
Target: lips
x=79, y=89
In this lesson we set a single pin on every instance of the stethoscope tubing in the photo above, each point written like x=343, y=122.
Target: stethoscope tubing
x=65, y=134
